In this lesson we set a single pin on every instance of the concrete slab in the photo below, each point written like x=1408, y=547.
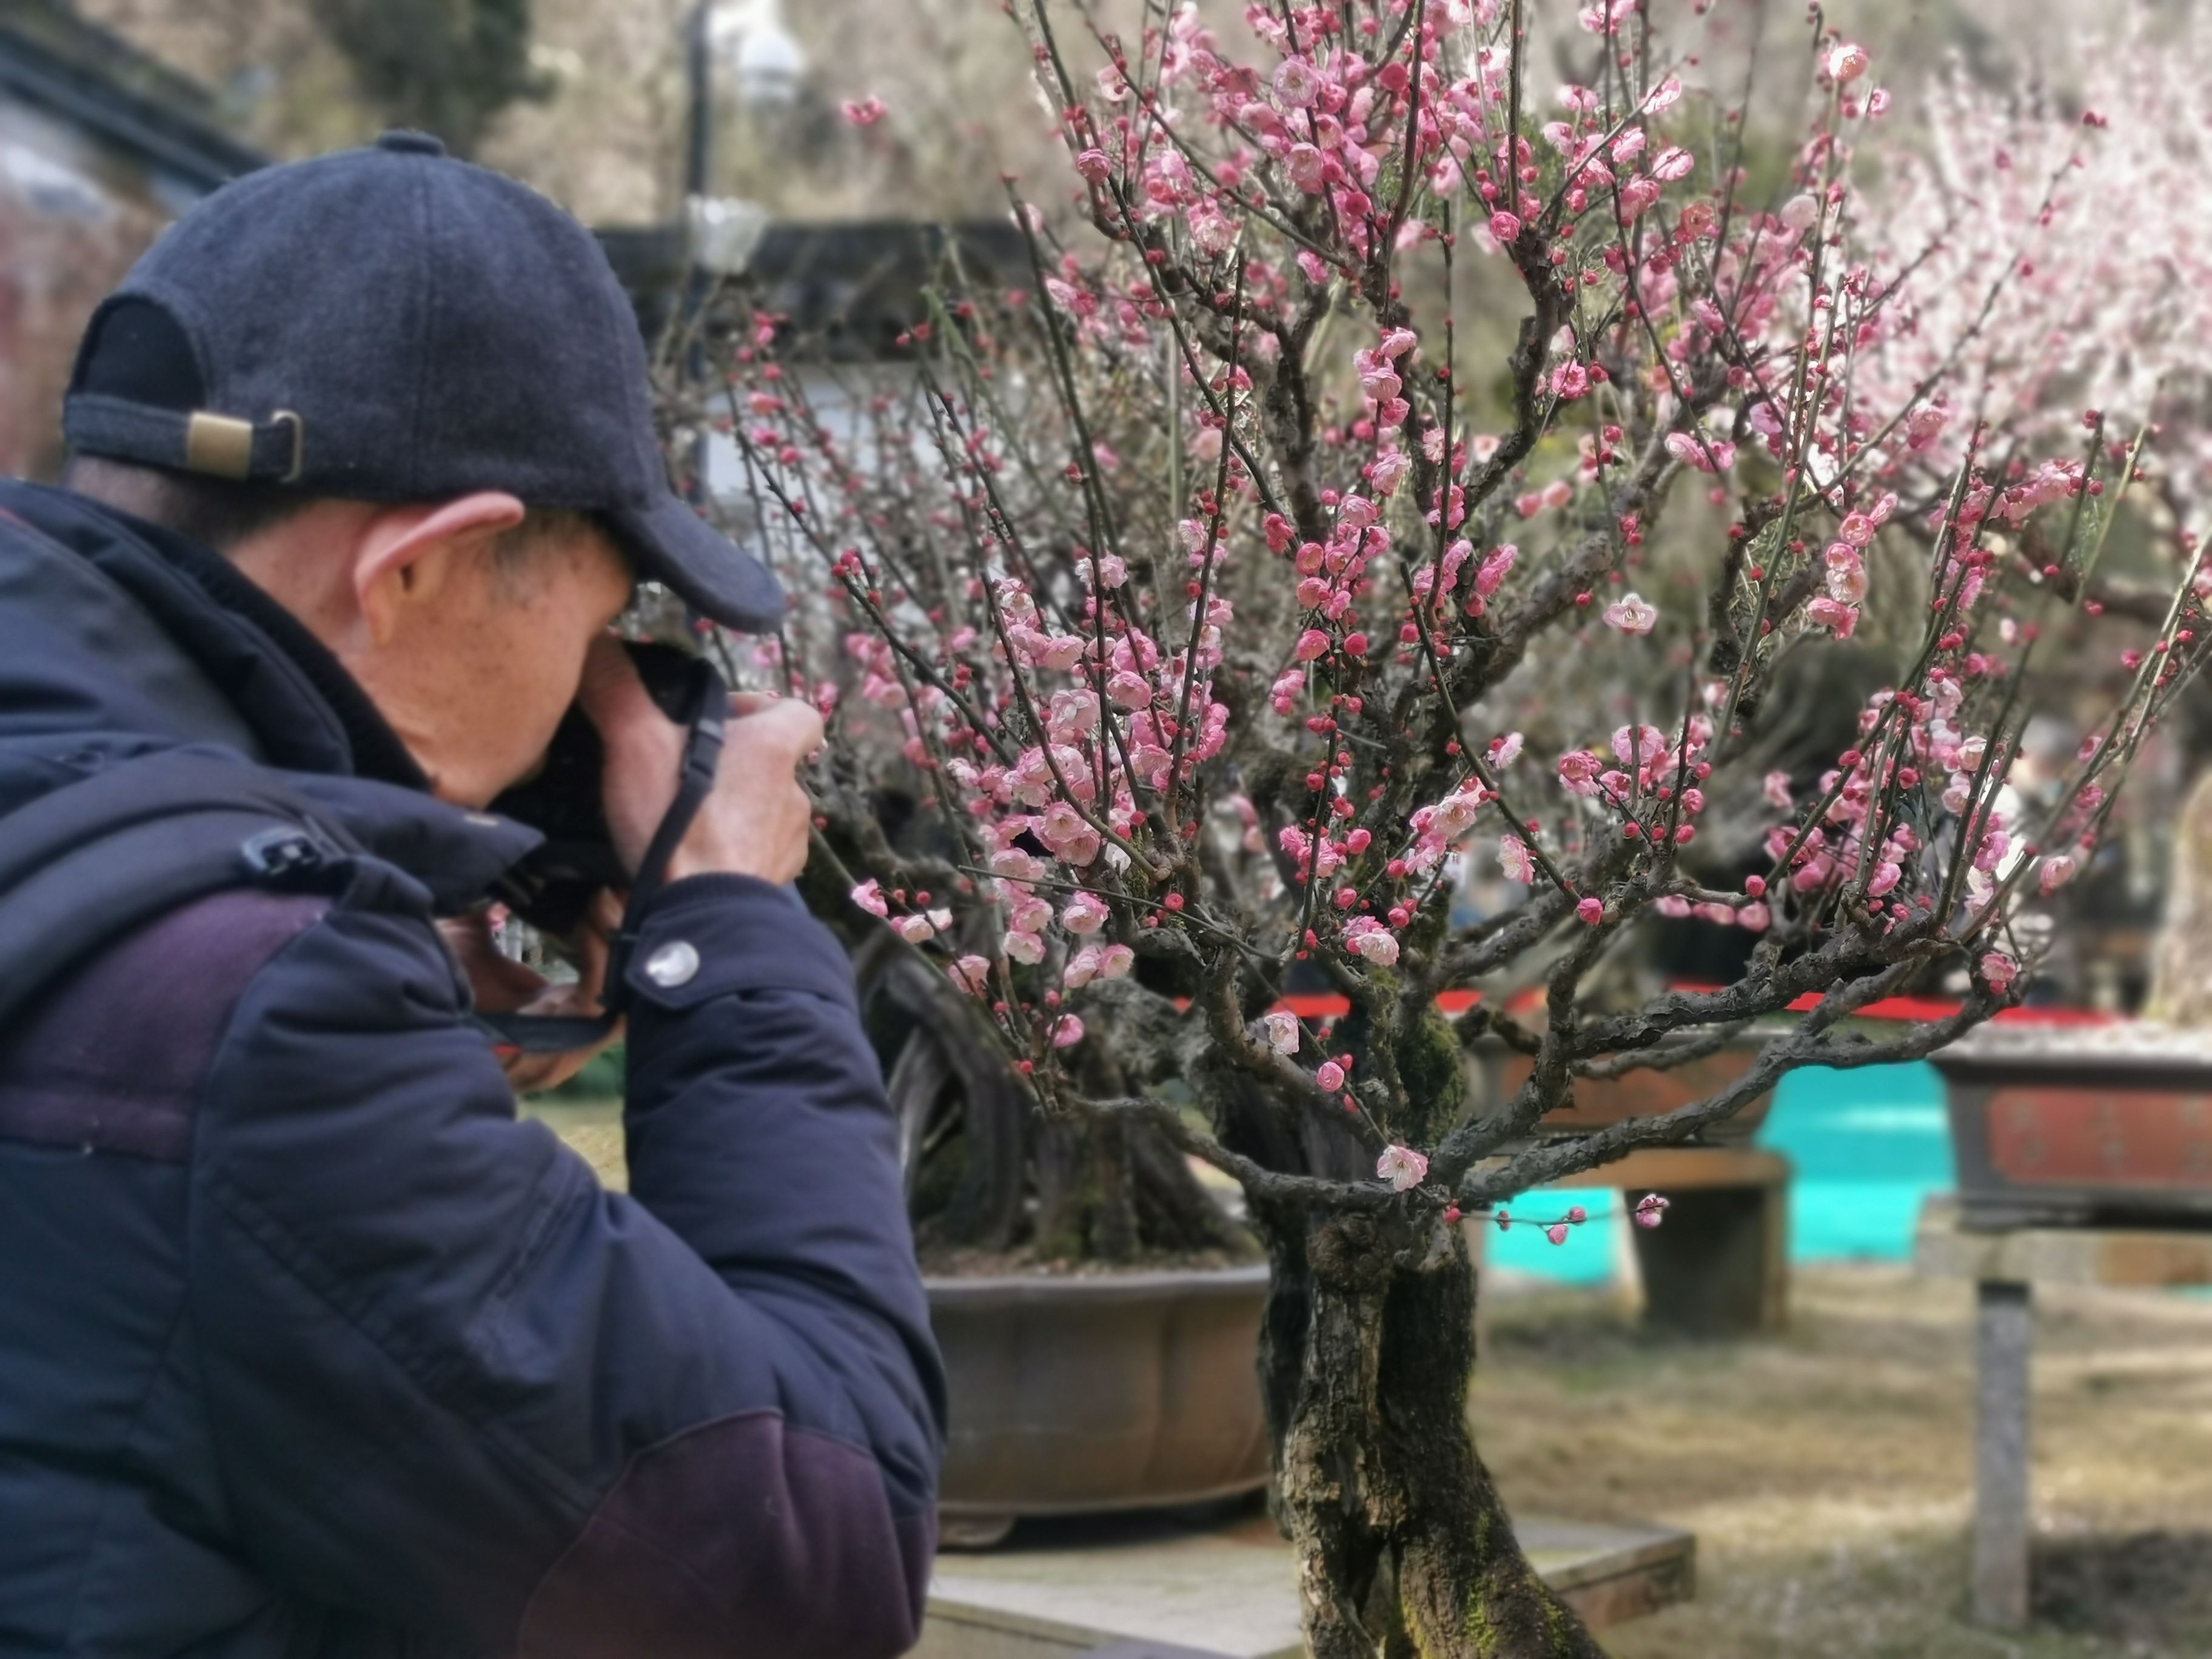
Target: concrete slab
x=2141, y=1258
x=1156, y=1588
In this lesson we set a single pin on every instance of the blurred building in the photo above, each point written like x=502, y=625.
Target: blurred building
x=845, y=291
x=100, y=147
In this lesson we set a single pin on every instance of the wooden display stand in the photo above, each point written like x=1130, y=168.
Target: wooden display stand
x=1158, y=1587
x=1719, y=1265
x=2005, y=1266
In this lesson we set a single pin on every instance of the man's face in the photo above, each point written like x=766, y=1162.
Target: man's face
x=466, y=622
x=498, y=665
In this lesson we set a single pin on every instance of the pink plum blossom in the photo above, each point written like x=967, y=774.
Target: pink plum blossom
x=1706, y=454
x=1368, y=938
x=1402, y=1167
x=1085, y=913
x=1631, y=614
x=1833, y=615
x=1282, y=1030
x=1514, y=859
x=1298, y=83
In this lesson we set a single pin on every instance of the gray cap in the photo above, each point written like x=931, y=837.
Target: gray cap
x=393, y=324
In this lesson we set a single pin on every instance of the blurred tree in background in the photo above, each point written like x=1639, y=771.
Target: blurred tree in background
x=447, y=67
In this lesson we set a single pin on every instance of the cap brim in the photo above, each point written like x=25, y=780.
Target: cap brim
x=673, y=544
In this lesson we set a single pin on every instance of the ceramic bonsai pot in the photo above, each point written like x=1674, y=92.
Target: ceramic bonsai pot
x=1086, y=1393
x=2077, y=1124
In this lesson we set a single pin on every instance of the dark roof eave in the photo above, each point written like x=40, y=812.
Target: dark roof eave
x=162, y=137
x=849, y=289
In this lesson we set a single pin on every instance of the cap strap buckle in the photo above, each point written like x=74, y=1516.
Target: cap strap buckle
x=227, y=447
x=299, y=443
x=219, y=444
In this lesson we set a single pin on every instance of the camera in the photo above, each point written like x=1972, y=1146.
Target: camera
x=553, y=887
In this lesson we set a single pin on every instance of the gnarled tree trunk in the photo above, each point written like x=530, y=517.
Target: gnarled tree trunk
x=985, y=1172
x=1404, y=1550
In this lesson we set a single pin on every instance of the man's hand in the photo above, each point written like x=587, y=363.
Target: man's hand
x=756, y=819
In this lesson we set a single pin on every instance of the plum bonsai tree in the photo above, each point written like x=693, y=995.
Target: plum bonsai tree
x=1220, y=596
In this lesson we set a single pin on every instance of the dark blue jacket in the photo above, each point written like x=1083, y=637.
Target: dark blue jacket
x=307, y=1346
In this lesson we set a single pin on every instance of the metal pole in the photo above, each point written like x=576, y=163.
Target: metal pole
x=699, y=76
x=699, y=72
x=2007, y=1333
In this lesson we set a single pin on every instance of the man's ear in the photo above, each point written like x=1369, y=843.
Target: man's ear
x=408, y=556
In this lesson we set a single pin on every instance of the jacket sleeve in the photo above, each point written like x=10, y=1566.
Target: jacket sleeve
x=456, y=1385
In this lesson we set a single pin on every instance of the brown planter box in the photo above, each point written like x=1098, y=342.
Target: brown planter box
x=2074, y=1125
x=1598, y=1101
x=1109, y=1391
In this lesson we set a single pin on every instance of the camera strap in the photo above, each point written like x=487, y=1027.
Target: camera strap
x=539, y=1034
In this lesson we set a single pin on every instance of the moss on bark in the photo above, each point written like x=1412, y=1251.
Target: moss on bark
x=1403, y=1546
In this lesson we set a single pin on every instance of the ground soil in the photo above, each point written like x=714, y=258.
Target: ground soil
x=1828, y=1472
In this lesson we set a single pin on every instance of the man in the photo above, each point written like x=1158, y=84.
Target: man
x=307, y=1346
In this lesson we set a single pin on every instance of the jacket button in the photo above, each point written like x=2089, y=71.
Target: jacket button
x=672, y=964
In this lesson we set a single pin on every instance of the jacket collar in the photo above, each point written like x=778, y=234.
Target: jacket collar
x=307, y=717
x=309, y=714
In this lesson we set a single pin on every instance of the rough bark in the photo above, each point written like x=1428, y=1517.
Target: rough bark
x=1404, y=1549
